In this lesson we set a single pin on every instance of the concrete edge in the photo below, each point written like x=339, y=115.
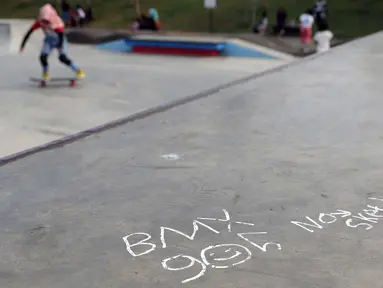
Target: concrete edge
x=142, y=114
x=176, y=38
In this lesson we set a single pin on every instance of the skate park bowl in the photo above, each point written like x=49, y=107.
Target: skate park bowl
x=200, y=172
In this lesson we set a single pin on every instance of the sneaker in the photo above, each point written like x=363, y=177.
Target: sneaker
x=80, y=74
x=45, y=76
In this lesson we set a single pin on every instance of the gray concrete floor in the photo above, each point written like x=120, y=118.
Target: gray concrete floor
x=254, y=162
x=116, y=85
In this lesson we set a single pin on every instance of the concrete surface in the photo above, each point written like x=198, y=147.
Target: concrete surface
x=116, y=85
x=263, y=157
x=5, y=35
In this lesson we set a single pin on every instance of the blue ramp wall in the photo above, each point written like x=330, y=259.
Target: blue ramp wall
x=115, y=46
x=236, y=50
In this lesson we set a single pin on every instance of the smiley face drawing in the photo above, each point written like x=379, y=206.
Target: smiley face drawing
x=225, y=255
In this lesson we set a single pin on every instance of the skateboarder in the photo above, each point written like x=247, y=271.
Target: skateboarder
x=53, y=27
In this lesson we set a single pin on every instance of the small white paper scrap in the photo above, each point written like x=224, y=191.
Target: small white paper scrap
x=170, y=157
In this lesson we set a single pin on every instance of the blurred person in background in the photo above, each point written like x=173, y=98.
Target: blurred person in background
x=306, y=23
x=261, y=27
x=323, y=38
x=150, y=21
x=81, y=15
x=65, y=12
x=281, y=21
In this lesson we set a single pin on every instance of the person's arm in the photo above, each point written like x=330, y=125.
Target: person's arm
x=60, y=33
x=35, y=26
x=157, y=24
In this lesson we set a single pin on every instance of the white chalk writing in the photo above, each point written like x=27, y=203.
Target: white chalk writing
x=304, y=225
x=192, y=262
x=371, y=216
x=211, y=256
x=241, y=252
x=191, y=237
x=139, y=243
x=223, y=256
x=263, y=248
x=378, y=199
x=227, y=219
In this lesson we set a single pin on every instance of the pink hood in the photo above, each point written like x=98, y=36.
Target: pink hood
x=47, y=12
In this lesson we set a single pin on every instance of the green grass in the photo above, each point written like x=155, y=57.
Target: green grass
x=348, y=18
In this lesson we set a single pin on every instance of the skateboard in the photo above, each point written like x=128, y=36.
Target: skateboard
x=72, y=81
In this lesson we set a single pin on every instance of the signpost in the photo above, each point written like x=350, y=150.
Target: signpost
x=210, y=5
x=254, y=13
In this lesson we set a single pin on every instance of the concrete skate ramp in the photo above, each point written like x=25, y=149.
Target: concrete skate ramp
x=12, y=32
x=117, y=85
x=280, y=179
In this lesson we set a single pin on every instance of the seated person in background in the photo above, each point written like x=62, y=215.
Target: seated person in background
x=323, y=38
x=156, y=18
x=147, y=22
x=261, y=27
x=144, y=22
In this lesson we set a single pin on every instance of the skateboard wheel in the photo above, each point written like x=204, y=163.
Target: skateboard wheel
x=72, y=83
x=42, y=84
